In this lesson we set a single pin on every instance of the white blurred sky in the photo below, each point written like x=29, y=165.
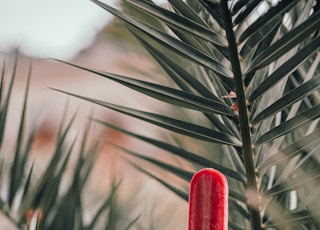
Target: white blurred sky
x=50, y=28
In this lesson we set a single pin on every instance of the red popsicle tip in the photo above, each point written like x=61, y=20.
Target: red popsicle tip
x=208, y=201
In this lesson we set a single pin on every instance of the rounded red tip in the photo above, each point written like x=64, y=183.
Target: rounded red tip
x=208, y=201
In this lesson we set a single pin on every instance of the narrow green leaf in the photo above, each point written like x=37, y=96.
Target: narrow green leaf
x=103, y=207
x=237, y=196
x=287, y=68
x=27, y=184
x=269, y=19
x=182, y=194
x=1, y=86
x=184, y=174
x=89, y=161
x=249, y=7
x=266, y=34
x=189, y=156
x=213, y=9
x=289, y=98
x=238, y=5
x=59, y=149
x=33, y=200
x=296, y=217
x=289, y=125
x=51, y=186
x=172, y=124
x=294, y=183
x=5, y=106
x=171, y=43
x=131, y=224
x=19, y=161
x=176, y=72
x=286, y=43
x=184, y=9
x=290, y=151
x=180, y=22
x=167, y=94
x=182, y=77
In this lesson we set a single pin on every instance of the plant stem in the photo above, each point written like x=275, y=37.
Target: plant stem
x=247, y=151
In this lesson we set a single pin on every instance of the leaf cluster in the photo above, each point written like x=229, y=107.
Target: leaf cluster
x=249, y=71
x=33, y=199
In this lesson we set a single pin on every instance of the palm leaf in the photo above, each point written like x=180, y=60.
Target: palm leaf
x=179, y=21
x=172, y=124
x=287, y=42
x=170, y=95
x=291, y=150
x=287, y=68
x=189, y=156
x=264, y=52
x=289, y=98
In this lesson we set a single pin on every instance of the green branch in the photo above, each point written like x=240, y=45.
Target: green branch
x=247, y=151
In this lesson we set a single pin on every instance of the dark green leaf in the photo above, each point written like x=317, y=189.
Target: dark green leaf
x=265, y=34
x=294, y=183
x=184, y=9
x=131, y=224
x=291, y=150
x=289, y=125
x=179, y=126
x=287, y=68
x=286, y=43
x=238, y=5
x=214, y=9
x=289, y=98
x=47, y=178
x=184, y=174
x=250, y=6
x=189, y=156
x=167, y=94
x=269, y=19
x=296, y=217
x=179, y=21
x=187, y=82
x=19, y=161
x=103, y=207
x=27, y=184
x=4, y=107
x=172, y=43
x=182, y=194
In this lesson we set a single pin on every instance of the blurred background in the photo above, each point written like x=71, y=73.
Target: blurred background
x=80, y=32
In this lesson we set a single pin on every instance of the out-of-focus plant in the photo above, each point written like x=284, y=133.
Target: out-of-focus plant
x=41, y=200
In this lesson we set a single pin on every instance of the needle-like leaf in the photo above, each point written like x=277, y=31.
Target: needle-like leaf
x=179, y=126
x=289, y=98
x=290, y=125
x=287, y=42
x=291, y=150
x=172, y=43
x=179, y=21
x=287, y=68
x=189, y=156
x=167, y=94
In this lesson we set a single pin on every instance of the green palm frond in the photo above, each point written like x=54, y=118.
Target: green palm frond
x=264, y=137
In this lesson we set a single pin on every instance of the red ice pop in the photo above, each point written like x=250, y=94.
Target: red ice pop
x=208, y=201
